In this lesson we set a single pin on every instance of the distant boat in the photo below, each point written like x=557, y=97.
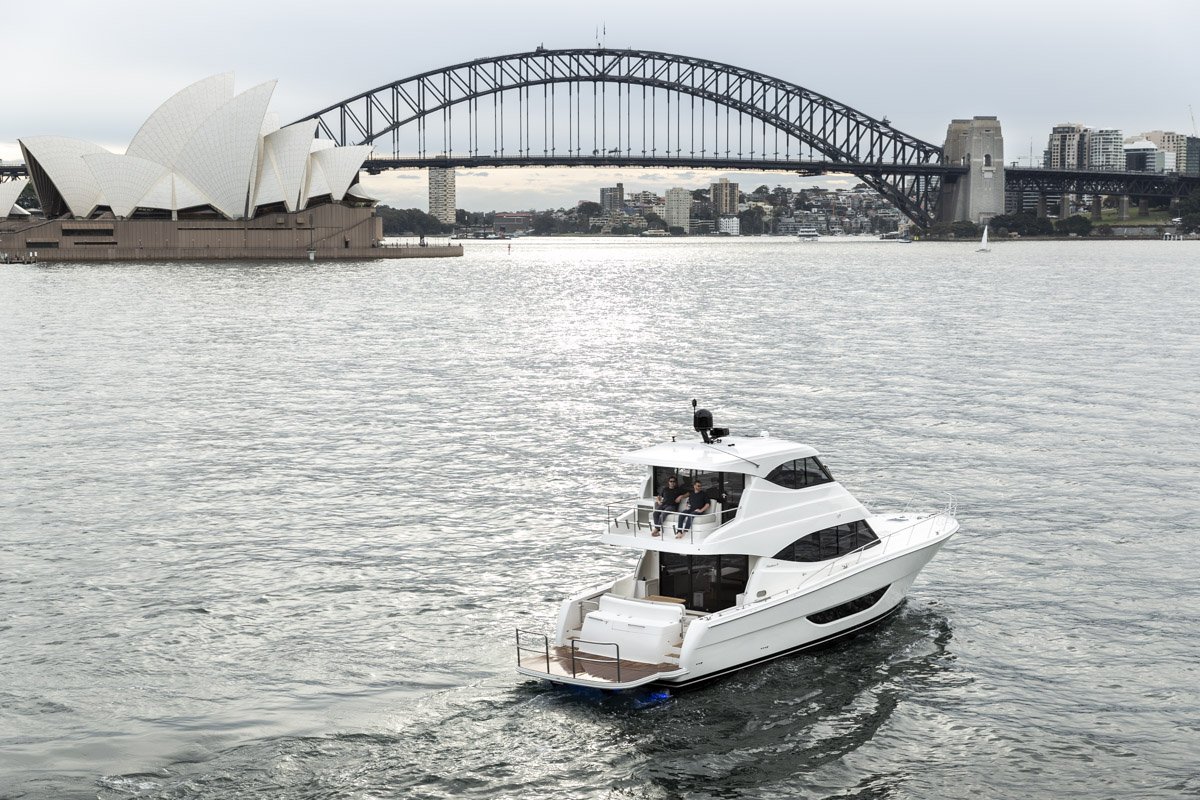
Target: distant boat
x=808, y=233
x=983, y=244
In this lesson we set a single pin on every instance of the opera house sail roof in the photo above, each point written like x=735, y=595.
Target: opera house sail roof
x=205, y=150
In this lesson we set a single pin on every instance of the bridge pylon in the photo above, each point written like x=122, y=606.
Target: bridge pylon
x=978, y=195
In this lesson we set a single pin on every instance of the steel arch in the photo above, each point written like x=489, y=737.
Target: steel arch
x=899, y=166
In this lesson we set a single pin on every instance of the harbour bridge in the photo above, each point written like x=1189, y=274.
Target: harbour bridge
x=601, y=107
x=632, y=108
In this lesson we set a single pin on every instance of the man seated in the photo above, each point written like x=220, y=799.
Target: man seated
x=665, y=502
x=697, y=502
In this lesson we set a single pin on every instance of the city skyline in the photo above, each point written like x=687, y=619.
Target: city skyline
x=83, y=93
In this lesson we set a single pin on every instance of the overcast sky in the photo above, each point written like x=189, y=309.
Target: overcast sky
x=96, y=70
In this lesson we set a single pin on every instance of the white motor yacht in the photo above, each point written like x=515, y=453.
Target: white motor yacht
x=808, y=233
x=781, y=559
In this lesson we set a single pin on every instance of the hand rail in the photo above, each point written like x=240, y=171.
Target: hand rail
x=619, y=508
x=602, y=660
x=948, y=513
x=544, y=649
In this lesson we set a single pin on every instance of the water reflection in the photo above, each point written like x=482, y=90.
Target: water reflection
x=369, y=474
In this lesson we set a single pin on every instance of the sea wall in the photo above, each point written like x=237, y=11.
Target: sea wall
x=330, y=231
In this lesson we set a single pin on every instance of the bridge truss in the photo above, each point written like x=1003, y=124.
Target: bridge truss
x=1087, y=182
x=602, y=107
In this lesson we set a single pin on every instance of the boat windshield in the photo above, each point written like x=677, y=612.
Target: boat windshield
x=724, y=487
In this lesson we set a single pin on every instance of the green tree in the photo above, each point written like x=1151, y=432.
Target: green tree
x=751, y=221
x=587, y=208
x=544, y=224
x=675, y=230
x=1023, y=223
x=965, y=229
x=1190, y=223
x=1190, y=204
x=655, y=221
x=1078, y=225
x=410, y=222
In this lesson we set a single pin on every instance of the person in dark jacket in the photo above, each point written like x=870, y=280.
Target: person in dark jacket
x=697, y=502
x=666, y=502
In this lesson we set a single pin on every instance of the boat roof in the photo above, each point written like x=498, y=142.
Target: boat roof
x=751, y=455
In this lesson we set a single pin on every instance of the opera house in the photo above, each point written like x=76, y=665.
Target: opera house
x=210, y=175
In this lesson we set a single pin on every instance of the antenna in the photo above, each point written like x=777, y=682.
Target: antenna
x=1193, y=113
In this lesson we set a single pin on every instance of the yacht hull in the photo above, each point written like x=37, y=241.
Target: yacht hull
x=695, y=681
x=776, y=627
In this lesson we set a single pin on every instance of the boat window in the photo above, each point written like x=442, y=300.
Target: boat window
x=830, y=543
x=846, y=609
x=661, y=474
x=704, y=583
x=800, y=474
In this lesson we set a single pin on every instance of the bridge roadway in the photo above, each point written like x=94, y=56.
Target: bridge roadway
x=375, y=166
x=1171, y=185
x=1016, y=179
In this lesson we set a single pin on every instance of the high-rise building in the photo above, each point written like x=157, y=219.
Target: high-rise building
x=1191, y=159
x=1105, y=149
x=724, y=197
x=441, y=194
x=1068, y=146
x=612, y=198
x=1144, y=156
x=1176, y=143
x=678, y=208
x=642, y=199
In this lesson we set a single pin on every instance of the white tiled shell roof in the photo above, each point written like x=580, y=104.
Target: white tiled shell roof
x=219, y=157
x=166, y=132
x=340, y=165
x=126, y=179
x=62, y=159
x=173, y=192
x=266, y=188
x=287, y=154
x=315, y=183
x=203, y=146
x=9, y=192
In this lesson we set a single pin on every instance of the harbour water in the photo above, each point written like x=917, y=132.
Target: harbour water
x=267, y=529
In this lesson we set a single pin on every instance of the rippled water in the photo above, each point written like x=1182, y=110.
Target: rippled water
x=266, y=529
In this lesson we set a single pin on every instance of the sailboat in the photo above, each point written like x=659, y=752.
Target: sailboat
x=983, y=244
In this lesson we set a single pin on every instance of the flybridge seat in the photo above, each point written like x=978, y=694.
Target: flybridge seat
x=644, y=630
x=705, y=523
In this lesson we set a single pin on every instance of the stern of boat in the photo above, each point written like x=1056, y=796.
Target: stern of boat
x=621, y=643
